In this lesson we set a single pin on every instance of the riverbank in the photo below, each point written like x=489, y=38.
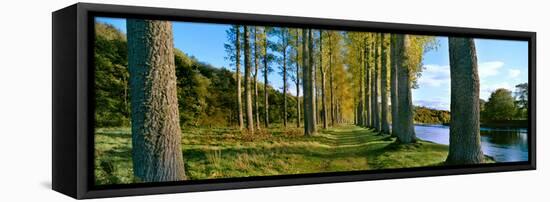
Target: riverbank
x=226, y=153
x=502, y=145
x=503, y=124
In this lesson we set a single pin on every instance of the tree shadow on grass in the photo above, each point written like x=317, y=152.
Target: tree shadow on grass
x=397, y=155
x=284, y=154
x=331, y=150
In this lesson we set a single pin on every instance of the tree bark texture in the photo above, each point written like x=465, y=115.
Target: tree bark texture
x=384, y=85
x=323, y=83
x=266, y=81
x=376, y=79
x=313, y=108
x=307, y=85
x=238, y=75
x=298, y=104
x=464, y=145
x=393, y=86
x=156, y=134
x=247, y=90
x=331, y=80
x=405, y=107
x=256, y=69
x=367, y=85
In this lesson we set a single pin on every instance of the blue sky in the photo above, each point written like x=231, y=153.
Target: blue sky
x=501, y=63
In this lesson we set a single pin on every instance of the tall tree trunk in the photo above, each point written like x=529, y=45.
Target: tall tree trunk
x=238, y=75
x=331, y=87
x=323, y=85
x=338, y=111
x=405, y=108
x=266, y=81
x=393, y=86
x=464, y=144
x=312, y=82
x=317, y=92
x=248, y=94
x=256, y=68
x=298, y=111
x=285, y=112
x=384, y=85
x=377, y=82
x=336, y=108
x=307, y=62
x=373, y=81
x=306, y=82
x=355, y=109
x=156, y=134
x=367, y=85
x=361, y=89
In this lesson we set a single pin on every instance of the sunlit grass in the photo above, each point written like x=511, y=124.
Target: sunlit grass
x=227, y=152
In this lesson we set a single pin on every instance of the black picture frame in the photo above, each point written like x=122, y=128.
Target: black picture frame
x=72, y=100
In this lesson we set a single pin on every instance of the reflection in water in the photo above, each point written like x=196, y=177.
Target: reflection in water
x=507, y=145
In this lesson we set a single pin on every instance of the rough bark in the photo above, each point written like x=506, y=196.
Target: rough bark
x=372, y=82
x=355, y=109
x=376, y=79
x=405, y=108
x=323, y=85
x=298, y=111
x=331, y=87
x=266, y=81
x=384, y=86
x=393, y=86
x=311, y=75
x=305, y=85
x=361, y=104
x=285, y=112
x=248, y=94
x=464, y=144
x=367, y=85
x=307, y=62
x=156, y=134
x=238, y=75
x=317, y=92
x=256, y=68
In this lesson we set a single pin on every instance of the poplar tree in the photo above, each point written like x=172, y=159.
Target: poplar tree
x=464, y=139
x=156, y=134
x=248, y=94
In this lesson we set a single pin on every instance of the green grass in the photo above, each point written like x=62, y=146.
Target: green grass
x=226, y=153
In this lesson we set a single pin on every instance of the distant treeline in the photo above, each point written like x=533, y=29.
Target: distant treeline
x=504, y=105
x=206, y=94
x=431, y=116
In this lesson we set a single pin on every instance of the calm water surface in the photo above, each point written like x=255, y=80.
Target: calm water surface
x=504, y=145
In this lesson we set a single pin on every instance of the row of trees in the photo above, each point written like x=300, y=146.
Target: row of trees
x=362, y=70
x=400, y=56
x=384, y=69
x=300, y=57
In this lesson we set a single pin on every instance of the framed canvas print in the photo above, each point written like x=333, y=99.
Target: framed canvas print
x=157, y=100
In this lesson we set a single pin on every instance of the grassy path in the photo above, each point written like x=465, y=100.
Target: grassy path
x=226, y=153
x=380, y=150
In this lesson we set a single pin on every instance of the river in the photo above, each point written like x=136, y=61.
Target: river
x=504, y=145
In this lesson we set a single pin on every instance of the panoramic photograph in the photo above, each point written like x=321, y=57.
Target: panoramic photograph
x=178, y=101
